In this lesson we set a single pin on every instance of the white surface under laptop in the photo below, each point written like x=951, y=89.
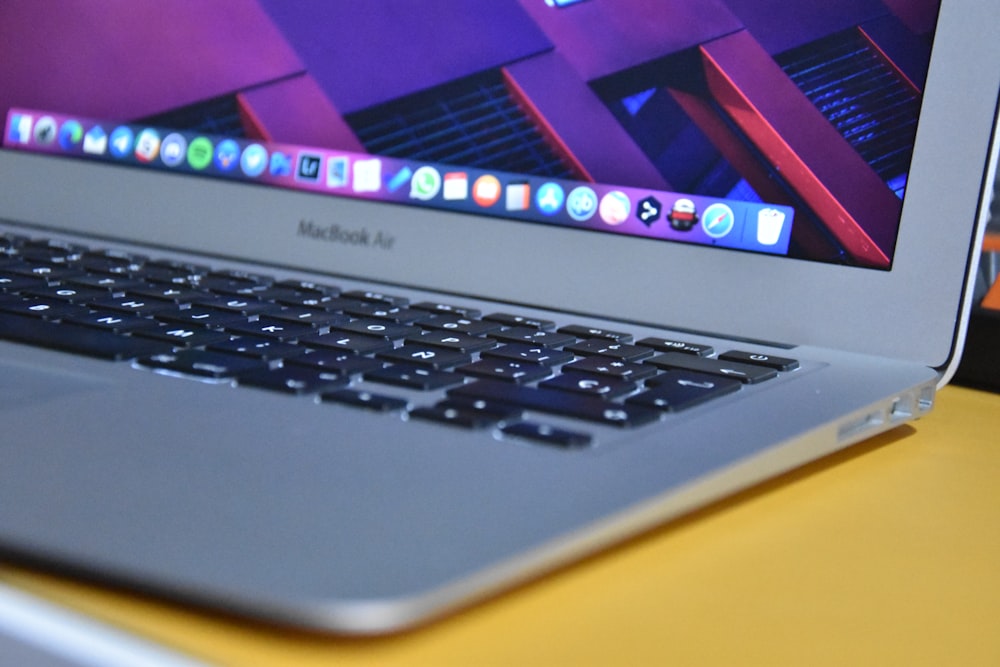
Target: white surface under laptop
x=332, y=518
x=35, y=633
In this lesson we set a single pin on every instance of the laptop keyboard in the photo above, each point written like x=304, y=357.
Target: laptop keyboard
x=367, y=349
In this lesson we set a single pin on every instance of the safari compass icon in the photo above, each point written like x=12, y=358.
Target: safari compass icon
x=718, y=220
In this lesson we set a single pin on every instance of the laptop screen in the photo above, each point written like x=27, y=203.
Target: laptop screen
x=750, y=125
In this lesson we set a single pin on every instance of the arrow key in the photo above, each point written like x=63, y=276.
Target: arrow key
x=678, y=390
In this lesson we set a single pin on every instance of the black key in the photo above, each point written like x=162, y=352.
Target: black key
x=377, y=297
x=236, y=305
x=240, y=276
x=678, y=390
x=519, y=372
x=258, y=348
x=10, y=282
x=381, y=311
x=757, y=359
x=509, y=320
x=269, y=292
x=604, y=367
x=365, y=399
x=49, y=273
x=581, y=331
x=312, y=300
x=54, y=244
x=203, y=363
x=230, y=286
x=314, y=317
x=604, y=348
x=452, y=340
x=422, y=355
x=131, y=304
x=172, y=273
x=670, y=345
x=117, y=322
x=265, y=327
x=68, y=293
x=199, y=316
x=171, y=293
x=530, y=336
x=112, y=285
x=556, y=402
x=345, y=363
x=308, y=287
x=109, y=268
x=348, y=342
x=592, y=385
x=446, y=309
x=548, y=435
x=497, y=411
x=455, y=416
x=458, y=324
x=181, y=336
x=53, y=256
x=731, y=369
x=414, y=377
x=76, y=339
x=387, y=330
x=114, y=255
x=47, y=309
x=112, y=263
x=293, y=380
x=529, y=353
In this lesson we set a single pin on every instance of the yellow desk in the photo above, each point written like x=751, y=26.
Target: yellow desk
x=888, y=554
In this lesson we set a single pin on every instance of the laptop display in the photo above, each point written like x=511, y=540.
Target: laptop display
x=754, y=126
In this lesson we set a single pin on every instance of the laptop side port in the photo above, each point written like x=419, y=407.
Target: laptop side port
x=861, y=427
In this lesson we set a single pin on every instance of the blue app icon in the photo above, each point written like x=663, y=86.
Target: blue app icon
x=121, y=141
x=70, y=135
x=281, y=164
x=227, y=155
x=581, y=204
x=550, y=198
x=718, y=220
x=253, y=162
x=399, y=179
x=173, y=150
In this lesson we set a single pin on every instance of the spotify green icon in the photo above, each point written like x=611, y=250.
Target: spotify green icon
x=199, y=153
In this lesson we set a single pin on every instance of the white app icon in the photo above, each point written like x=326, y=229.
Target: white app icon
x=456, y=185
x=336, y=172
x=147, y=145
x=95, y=141
x=367, y=175
x=770, y=222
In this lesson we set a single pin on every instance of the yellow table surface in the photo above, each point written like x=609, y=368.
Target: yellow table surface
x=887, y=554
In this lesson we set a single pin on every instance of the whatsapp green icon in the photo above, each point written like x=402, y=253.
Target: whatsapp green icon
x=199, y=153
x=425, y=184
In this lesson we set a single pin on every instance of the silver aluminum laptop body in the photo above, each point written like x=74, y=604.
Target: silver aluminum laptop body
x=330, y=517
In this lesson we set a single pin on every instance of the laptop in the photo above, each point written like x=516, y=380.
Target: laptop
x=345, y=317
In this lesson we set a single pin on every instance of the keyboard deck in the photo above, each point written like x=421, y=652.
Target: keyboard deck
x=499, y=370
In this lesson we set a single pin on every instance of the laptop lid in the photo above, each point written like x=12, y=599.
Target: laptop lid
x=719, y=166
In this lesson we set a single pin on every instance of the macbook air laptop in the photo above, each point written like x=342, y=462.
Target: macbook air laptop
x=346, y=315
